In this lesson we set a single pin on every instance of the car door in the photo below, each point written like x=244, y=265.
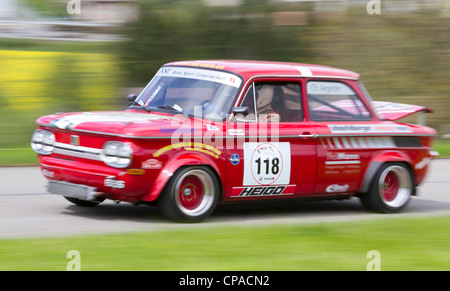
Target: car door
x=271, y=151
x=340, y=117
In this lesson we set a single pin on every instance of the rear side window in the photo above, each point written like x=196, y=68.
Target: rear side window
x=334, y=101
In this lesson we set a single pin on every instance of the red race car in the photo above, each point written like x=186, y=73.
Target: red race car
x=209, y=132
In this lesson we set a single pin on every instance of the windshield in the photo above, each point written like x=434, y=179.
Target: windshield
x=192, y=91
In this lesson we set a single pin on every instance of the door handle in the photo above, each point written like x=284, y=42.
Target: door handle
x=308, y=135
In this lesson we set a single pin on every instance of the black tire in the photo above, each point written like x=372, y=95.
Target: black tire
x=191, y=194
x=391, y=189
x=84, y=203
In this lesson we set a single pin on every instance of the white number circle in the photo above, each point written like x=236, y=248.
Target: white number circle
x=266, y=164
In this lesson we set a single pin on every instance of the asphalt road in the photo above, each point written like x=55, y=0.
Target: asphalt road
x=26, y=210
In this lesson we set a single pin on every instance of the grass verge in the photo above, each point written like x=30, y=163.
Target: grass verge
x=18, y=157
x=403, y=244
x=443, y=148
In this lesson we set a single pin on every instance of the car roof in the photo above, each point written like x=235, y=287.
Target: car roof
x=248, y=68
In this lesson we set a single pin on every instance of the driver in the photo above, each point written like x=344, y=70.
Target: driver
x=266, y=113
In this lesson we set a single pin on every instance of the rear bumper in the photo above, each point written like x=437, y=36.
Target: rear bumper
x=434, y=154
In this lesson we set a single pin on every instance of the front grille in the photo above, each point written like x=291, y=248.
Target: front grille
x=77, y=151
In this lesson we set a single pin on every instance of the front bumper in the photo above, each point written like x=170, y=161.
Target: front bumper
x=94, y=180
x=72, y=190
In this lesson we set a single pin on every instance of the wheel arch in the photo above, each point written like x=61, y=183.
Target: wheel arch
x=379, y=160
x=174, y=164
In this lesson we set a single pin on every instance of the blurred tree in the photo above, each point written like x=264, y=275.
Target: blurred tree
x=64, y=84
x=182, y=30
x=402, y=56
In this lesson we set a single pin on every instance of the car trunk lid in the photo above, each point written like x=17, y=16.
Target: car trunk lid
x=394, y=111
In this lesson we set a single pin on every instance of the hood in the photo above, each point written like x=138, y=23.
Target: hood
x=128, y=123
x=395, y=111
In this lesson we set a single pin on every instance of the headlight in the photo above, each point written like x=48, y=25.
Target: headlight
x=117, y=154
x=43, y=141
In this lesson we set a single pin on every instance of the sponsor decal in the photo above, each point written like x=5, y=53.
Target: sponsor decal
x=211, y=127
x=267, y=163
x=235, y=159
x=328, y=88
x=358, y=142
x=199, y=74
x=177, y=130
x=262, y=191
x=335, y=188
x=342, y=156
x=151, y=164
x=235, y=131
x=190, y=146
x=342, y=159
x=111, y=182
x=342, y=162
x=200, y=65
x=369, y=128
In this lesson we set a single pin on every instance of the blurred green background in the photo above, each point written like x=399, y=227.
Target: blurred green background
x=92, y=60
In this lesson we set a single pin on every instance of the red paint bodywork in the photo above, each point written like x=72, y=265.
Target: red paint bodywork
x=313, y=145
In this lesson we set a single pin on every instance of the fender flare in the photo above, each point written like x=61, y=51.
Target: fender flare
x=172, y=165
x=377, y=162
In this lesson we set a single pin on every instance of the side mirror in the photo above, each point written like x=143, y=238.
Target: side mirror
x=132, y=98
x=240, y=113
x=240, y=110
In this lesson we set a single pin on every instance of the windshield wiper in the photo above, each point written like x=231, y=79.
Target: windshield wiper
x=137, y=104
x=174, y=107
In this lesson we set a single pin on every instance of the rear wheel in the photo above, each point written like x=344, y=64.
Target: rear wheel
x=191, y=194
x=391, y=189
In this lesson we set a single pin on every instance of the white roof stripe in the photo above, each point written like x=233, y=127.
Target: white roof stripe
x=304, y=71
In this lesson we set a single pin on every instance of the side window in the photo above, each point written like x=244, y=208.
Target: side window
x=274, y=102
x=334, y=101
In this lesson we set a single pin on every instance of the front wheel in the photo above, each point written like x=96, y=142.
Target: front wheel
x=391, y=189
x=191, y=194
